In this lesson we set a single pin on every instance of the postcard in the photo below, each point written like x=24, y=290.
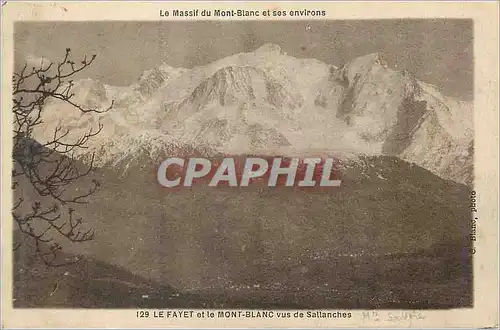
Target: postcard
x=249, y=164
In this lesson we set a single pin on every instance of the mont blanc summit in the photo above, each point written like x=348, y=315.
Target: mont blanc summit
x=266, y=100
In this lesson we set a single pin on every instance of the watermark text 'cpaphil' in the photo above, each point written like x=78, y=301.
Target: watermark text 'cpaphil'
x=241, y=172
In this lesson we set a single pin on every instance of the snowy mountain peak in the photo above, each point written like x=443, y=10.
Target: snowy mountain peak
x=269, y=48
x=227, y=86
x=166, y=68
x=233, y=85
x=151, y=80
x=373, y=68
x=363, y=67
x=265, y=99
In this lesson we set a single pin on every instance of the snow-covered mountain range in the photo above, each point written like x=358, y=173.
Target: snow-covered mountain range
x=266, y=101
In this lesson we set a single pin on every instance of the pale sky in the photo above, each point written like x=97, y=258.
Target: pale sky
x=439, y=52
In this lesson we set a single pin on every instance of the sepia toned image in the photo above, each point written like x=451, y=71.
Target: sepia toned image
x=209, y=161
x=98, y=113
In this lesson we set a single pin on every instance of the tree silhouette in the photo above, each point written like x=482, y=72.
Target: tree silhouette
x=49, y=167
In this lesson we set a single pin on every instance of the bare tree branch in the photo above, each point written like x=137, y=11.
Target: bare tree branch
x=49, y=167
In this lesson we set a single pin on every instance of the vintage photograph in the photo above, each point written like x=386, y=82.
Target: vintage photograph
x=306, y=164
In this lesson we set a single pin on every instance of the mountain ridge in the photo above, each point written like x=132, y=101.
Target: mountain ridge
x=364, y=107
